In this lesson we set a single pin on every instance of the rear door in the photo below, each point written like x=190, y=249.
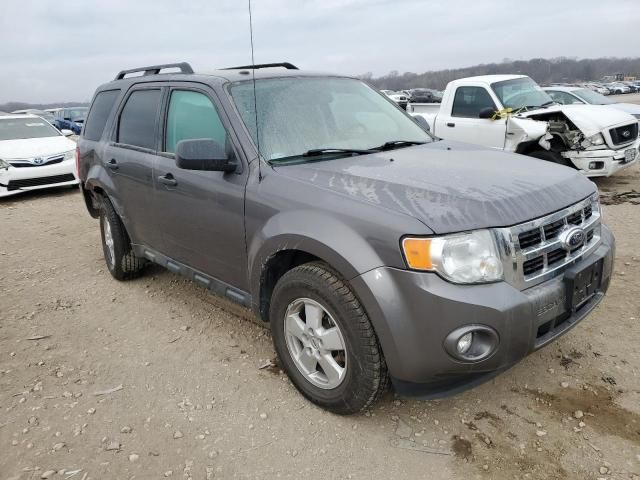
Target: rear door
x=129, y=160
x=201, y=215
x=463, y=122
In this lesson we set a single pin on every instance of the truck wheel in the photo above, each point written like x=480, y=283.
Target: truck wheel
x=116, y=246
x=325, y=341
x=550, y=156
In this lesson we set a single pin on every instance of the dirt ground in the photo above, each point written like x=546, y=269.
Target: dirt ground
x=156, y=378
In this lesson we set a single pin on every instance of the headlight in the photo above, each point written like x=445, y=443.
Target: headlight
x=70, y=155
x=460, y=258
x=4, y=164
x=593, y=140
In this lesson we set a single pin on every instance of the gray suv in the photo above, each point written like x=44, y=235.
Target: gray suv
x=372, y=250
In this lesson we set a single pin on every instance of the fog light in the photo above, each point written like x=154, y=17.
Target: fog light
x=464, y=343
x=472, y=343
x=596, y=165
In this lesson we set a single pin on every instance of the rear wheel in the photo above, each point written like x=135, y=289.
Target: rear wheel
x=550, y=156
x=116, y=245
x=325, y=341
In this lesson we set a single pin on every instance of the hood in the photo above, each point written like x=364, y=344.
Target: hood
x=450, y=187
x=35, y=147
x=590, y=119
x=630, y=108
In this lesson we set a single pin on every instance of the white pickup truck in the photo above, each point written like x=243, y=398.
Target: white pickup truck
x=511, y=112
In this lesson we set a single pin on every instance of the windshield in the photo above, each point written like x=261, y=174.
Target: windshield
x=21, y=128
x=296, y=115
x=521, y=92
x=594, y=98
x=75, y=113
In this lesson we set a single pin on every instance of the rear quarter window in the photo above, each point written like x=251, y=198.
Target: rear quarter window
x=100, y=111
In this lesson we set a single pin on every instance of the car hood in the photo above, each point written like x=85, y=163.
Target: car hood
x=450, y=187
x=35, y=147
x=630, y=108
x=590, y=119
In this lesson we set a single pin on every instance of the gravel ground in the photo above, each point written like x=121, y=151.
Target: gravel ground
x=155, y=378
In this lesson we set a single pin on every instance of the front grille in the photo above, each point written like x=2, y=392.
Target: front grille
x=624, y=134
x=38, y=182
x=53, y=161
x=533, y=251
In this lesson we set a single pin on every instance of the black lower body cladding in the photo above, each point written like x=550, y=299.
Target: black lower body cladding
x=414, y=314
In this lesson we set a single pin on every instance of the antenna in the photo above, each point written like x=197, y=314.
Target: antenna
x=255, y=101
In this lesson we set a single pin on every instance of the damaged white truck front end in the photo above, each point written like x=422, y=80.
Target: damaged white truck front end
x=511, y=112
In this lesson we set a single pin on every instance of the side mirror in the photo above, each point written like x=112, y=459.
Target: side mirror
x=66, y=133
x=486, y=113
x=420, y=120
x=203, y=154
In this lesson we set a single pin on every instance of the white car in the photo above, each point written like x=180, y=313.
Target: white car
x=578, y=96
x=34, y=155
x=397, y=97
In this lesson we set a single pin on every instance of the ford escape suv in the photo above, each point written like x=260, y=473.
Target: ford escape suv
x=373, y=251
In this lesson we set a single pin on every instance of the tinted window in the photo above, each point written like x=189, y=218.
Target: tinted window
x=192, y=115
x=138, y=119
x=100, y=112
x=469, y=101
x=563, y=97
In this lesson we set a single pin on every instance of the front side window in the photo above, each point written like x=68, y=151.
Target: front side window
x=563, y=98
x=520, y=93
x=470, y=101
x=192, y=116
x=22, y=128
x=138, y=119
x=594, y=98
x=295, y=115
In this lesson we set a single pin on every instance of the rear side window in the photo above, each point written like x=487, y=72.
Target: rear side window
x=192, y=115
x=138, y=119
x=99, y=114
x=469, y=101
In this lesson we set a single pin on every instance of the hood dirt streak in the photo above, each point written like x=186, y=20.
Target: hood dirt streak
x=450, y=187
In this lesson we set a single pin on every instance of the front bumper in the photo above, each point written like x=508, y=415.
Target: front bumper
x=607, y=162
x=15, y=180
x=414, y=312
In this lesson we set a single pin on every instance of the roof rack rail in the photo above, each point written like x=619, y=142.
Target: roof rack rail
x=287, y=65
x=155, y=69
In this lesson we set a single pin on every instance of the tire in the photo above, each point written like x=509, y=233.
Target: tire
x=116, y=245
x=550, y=156
x=310, y=288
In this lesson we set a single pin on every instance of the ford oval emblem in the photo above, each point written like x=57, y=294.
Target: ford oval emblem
x=572, y=238
x=626, y=133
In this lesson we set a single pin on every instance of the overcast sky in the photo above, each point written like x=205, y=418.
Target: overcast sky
x=60, y=51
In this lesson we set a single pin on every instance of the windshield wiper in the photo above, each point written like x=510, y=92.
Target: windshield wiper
x=321, y=151
x=398, y=143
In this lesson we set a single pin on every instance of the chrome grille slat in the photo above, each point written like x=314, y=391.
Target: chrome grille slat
x=539, y=261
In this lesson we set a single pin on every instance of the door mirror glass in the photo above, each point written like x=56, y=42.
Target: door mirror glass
x=486, y=113
x=66, y=133
x=203, y=154
x=420, y=120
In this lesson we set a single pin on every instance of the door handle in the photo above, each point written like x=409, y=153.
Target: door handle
x=451, y=124
x=168, y=180
x=112, y=164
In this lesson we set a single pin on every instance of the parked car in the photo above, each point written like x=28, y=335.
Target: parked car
x=580, y=96
x=618, y=88
x=371, y=249
x=69, y=118
x=596, y=87
x=397, y=97
x=513, y=113
x=424, y=95
x=632, y=86
x=48, y=116
x=34, y=155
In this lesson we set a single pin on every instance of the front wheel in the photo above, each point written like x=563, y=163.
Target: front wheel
x=325, y=341
x=550, y=156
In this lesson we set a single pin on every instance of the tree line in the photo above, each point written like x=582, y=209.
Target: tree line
x=542, y=70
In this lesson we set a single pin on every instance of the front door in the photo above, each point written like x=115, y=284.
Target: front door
x=200, y=213
x=464, y=123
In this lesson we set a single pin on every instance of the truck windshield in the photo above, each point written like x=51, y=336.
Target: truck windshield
x=298, y=115
x=594, y=98
x=21, y=128
x=521, y=92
